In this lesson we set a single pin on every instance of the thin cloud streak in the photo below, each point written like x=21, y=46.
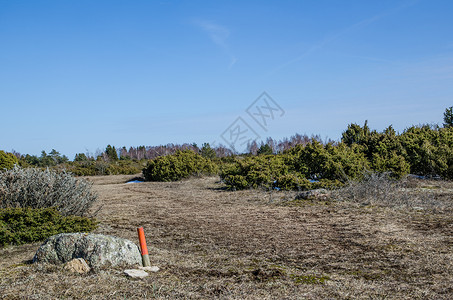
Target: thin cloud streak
x=218, y=35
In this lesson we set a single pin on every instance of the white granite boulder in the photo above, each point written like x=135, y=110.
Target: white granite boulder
x=96, y=249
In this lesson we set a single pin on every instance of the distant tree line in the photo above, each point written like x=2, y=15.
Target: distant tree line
x=422, y=150
x=272, y=146
x=50, y=159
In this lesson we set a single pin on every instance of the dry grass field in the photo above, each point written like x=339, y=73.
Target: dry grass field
x=212, y=243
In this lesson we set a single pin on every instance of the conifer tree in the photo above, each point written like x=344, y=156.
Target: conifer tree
x=448, y=117
x=111, y=153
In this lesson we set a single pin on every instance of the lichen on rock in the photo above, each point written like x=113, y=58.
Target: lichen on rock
x=96, y=249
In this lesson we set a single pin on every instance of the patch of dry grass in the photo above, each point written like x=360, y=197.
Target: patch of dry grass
x=213, y=243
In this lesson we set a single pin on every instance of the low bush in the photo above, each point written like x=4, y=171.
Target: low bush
x=392, y=162
x=182, y=164
x=425, y=150
x=258, y=171
x=36, y=188
x=7, y=160
x=292, y=182
x=93, y=168
x=429, y=150
x=332, y=162
x=125, y=167
x=27, y=225
x=303, y=167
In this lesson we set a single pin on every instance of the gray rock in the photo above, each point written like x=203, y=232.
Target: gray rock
x=134, y=273
x=96, y=249
x=319, y=194
x=150, y=269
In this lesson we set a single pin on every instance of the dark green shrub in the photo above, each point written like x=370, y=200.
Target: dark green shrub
x=386, y=153
x=326, y=184
x=207, y=152
x=448, y=117
x=83, y=168
x=182, y=164
x=27, y=225
x=329, y=165
x=429, y=150
x=333, y=162
x=255, y=171
x=80, y=157
x=292, y=182
x=423, y=150
x=265, y=149
x=344, y=163
x=392, y=162
x=236, y=182
x=7, y=160
x=111, y=153
x=125, y=167
x=356, y=134
x=36, y=188
x=92, y=168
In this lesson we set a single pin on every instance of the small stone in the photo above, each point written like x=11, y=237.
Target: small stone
x=77, y=265
x=318, y=194
x=134, y=273
x=150, y=269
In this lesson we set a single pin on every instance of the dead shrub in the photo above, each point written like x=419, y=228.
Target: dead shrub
x=380, y=189
x=35, y=188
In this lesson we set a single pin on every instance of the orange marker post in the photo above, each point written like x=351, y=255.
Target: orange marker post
x=143, y=248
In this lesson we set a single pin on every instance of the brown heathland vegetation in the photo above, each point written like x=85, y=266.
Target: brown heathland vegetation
x=214, y=243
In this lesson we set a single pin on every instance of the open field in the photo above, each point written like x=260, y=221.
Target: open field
x=213, y=243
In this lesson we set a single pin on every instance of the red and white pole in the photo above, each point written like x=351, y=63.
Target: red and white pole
x=143, y=248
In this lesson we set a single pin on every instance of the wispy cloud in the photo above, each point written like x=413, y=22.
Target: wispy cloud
x=218, y=35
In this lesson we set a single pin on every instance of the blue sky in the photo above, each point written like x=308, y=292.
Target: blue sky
x=78, y=75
